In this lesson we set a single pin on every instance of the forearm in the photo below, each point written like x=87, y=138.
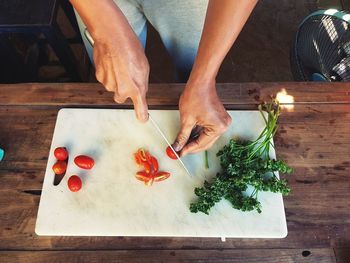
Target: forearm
x=224, y=21
x=103, y=19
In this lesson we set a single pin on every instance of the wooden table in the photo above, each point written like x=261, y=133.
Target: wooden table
x=314, y=138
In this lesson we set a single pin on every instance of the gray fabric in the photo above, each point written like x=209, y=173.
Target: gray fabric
x=179, y=23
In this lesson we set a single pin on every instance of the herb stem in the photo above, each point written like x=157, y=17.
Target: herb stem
x=206, y=159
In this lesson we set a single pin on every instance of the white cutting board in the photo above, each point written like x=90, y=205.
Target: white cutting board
x=113, y=203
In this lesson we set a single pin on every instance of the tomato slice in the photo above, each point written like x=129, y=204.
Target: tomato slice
x=171, y=154
x=142, y=176
x=142, y=155
x=147, y=167
x=145, y=177
x=154, y=164
x=161, y=176
x=137, y=158
x=150, y=181
x=145, y=159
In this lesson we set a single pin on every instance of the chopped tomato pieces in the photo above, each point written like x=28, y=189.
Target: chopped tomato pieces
x=150, y=165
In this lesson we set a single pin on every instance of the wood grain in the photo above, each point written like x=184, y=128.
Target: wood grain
x=232, y=95
x=156, y=256
x=317, y=210
x=314, y=138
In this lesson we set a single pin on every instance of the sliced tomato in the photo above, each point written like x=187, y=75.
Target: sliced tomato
x=171, y=154
x=142, y=176
x=150, y=181
x=142, y=154
x=150, y=164
x=148, y=157
x=137, y=158
x=154, y=164
x=147, y=167
x=161, y=176
x=144, y=158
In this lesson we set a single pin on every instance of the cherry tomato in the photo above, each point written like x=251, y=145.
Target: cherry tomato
x=59, y=167
x=74, y=183
x=84, y=162
x=171, y=154
x=161, y=176
x=61, y=153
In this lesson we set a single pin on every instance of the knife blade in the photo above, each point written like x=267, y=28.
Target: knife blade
x=168, y=143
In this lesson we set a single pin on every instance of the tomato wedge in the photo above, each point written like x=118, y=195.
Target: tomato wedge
x=145, y=159
x=145, y=177
x=161, y=176
x=142, y=176
x=154, y=164
x=150, y=181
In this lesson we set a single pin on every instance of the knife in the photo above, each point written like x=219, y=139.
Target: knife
x=163, y=135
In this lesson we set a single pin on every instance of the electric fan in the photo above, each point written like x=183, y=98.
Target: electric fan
x=321, y=50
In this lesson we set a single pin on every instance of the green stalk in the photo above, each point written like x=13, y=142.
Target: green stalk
x=206, y=160
x=261, y=146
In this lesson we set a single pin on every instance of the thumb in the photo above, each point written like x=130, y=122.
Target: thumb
x=141, y=107
x=183, y=136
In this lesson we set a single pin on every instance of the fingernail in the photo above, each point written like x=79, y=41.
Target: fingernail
x=143, y=117
x=176, y=146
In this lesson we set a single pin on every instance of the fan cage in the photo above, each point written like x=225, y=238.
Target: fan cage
x=321, y=50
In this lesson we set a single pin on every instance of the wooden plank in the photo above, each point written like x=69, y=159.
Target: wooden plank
x=18, y=210
x=317, y=210
x=93, y=94
x=319, y=255
x=304, y=137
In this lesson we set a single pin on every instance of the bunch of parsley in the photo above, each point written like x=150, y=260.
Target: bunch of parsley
x=243, y=164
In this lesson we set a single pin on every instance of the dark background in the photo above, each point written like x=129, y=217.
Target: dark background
x=261, y=53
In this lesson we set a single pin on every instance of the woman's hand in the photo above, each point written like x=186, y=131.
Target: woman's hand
x=200, y=110
x=120, y=61
x=122, y=68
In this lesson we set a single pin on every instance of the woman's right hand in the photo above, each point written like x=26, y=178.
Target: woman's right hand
x=122, y=67
x=120, y=61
